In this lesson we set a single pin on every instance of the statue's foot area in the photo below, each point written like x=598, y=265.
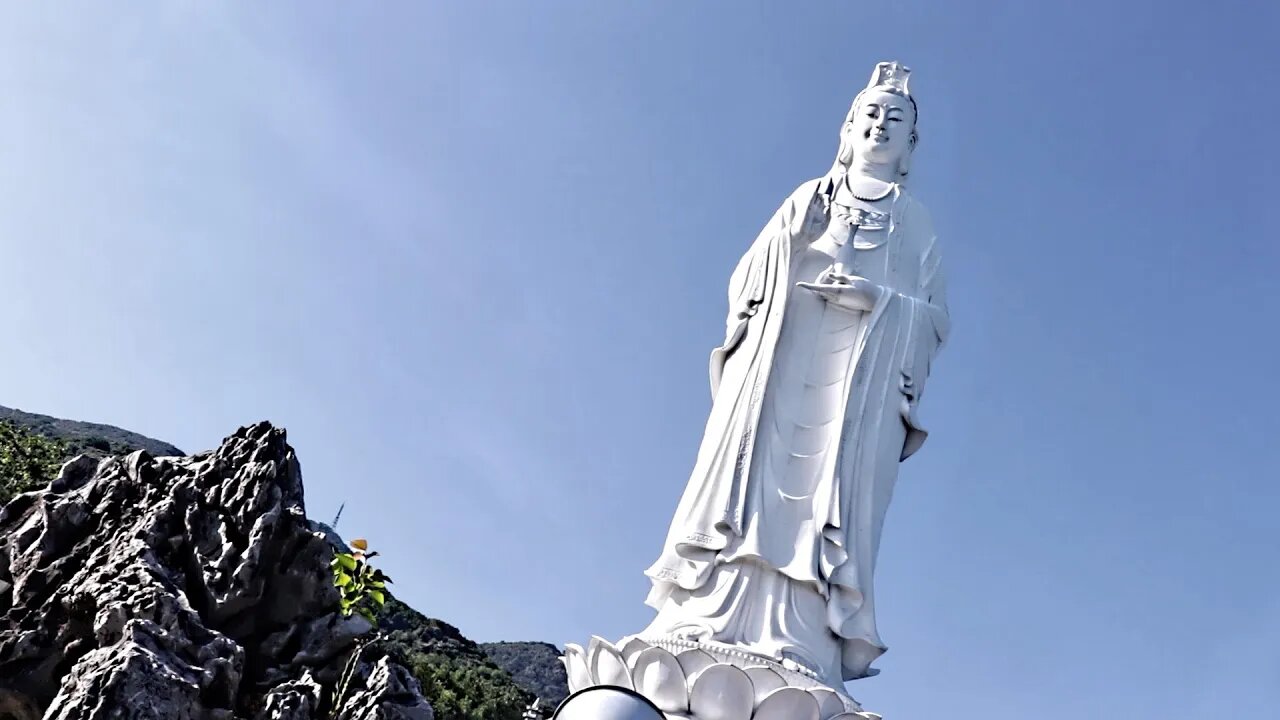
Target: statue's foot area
x=693, y=680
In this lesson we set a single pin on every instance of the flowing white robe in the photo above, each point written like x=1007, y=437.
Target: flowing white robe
x=774, y=542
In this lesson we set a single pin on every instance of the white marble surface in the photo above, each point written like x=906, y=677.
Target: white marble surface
x=764, y=586
x=705, y=681
x=836, y=313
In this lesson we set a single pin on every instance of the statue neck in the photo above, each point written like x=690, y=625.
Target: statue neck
x=866, y=187
x=877, y=171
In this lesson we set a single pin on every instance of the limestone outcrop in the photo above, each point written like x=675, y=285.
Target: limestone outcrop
x=180, y=587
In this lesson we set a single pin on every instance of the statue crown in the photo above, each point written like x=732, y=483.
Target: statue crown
x=892, y=75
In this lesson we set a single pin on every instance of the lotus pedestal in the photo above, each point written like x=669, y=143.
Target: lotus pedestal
x=691, y=680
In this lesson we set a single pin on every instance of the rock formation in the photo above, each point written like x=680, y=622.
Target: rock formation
x=180, y=588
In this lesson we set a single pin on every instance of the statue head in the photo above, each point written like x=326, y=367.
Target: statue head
x=880, y=128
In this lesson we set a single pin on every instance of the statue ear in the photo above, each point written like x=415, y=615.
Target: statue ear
x=904, y=165
x=844, y=154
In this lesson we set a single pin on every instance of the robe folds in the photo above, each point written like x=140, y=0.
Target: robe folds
x=722, y=531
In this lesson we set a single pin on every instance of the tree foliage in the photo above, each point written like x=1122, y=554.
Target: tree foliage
x=467, y=691
x=535, y=666
x=27, y=461
x=456, y=676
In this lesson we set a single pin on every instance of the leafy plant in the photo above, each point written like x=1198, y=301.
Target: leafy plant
x=362, y=586
x=27, y=460
x=362, y=590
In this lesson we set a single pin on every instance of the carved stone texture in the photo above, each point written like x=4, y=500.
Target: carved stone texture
x=836, y=312
x=176, y=587
x=701, y=681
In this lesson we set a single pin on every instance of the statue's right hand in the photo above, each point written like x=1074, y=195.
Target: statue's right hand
x=818, y=214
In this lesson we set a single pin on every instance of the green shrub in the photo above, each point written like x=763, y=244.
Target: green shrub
x=467, y=691
x=27, y=461
x=362, y=590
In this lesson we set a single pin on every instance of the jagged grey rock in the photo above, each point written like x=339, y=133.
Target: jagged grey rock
x=176, y=587
x=293, y=700
x=391, y=693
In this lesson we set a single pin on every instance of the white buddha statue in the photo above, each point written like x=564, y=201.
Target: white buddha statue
x=836, y=313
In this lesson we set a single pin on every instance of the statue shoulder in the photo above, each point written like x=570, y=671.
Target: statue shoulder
x=916, y=217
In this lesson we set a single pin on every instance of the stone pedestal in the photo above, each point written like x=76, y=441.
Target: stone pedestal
x=708, y=681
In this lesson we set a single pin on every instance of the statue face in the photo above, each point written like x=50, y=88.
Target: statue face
x=880, y=130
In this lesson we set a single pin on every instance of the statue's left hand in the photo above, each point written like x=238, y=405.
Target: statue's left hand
x=849, y=292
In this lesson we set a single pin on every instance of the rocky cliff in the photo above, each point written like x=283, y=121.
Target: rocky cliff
x=462, y=679
x=187, y=587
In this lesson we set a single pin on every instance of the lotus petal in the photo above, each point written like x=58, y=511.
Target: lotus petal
x=575, y=666
x=765, y=681
x=693, y=662
x=788, y=703
x=829, y=702
x=658, y=676
x=606, y=664
x=869, y=716
x=631, y=648
x=594, y=646
x=722, y=692
x=849, y=716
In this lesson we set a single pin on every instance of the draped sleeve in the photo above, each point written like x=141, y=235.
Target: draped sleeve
x=930, y=324
x=800, y=212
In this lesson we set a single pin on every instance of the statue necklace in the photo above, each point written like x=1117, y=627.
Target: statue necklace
x=877, y=198
x=868, y=218
x=859, y=218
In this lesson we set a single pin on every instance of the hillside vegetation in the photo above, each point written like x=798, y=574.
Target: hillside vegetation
x=27, y=461
x=87, y=438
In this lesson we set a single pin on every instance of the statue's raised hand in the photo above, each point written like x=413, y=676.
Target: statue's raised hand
x=848, y=292
x=817, y=216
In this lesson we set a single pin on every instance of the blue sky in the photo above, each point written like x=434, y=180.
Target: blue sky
x=473, y=255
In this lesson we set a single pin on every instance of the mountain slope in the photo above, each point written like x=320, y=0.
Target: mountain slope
x=88, y=438
x=456, y=676
x=535, y=666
